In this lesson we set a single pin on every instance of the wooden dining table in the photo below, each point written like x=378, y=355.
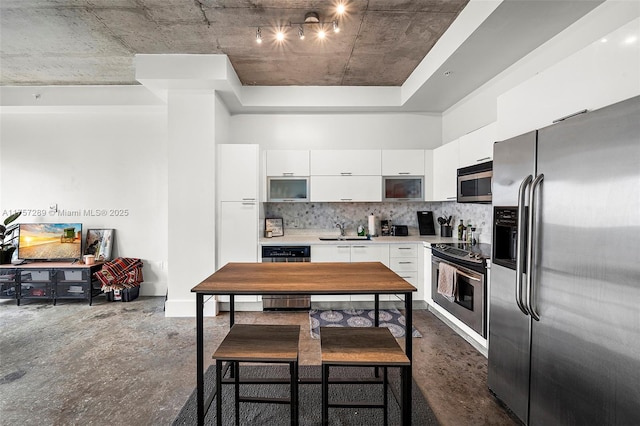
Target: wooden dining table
x=280, y=278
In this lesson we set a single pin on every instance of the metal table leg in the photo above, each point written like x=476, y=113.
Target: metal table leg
x=406, y=371
x=200, y=356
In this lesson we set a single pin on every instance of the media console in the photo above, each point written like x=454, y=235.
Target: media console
x=49, y=280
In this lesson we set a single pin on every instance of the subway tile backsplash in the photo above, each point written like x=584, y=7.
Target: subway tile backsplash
x=324, y=216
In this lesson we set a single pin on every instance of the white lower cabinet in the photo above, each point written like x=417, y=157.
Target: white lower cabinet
x=426, y=283
x=330, y=253
x=370, y=253
x=404, y=261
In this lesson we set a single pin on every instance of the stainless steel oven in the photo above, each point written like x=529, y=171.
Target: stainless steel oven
x=272, y=302
x=469, y=302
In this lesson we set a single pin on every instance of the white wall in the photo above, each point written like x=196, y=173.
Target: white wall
x=191, y=199
x=107, y=158
x=222, y=124
x=338, y=131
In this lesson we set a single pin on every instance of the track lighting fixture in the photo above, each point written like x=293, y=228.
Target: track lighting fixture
x=311, y=19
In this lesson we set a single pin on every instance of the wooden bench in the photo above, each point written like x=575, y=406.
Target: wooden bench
x=259, y=344
x=359, y=347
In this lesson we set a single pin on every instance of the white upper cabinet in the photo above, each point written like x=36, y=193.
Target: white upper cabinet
x=445, y=171
x=428, y=174
x=403, y=162
x=346, y=188
x=347, y=162
x=288, y=162
x=238, y=170
x=477, y=147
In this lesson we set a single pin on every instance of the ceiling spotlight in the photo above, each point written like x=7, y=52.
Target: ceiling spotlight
x=448, y=73
x=310, y=18
x=340, y=9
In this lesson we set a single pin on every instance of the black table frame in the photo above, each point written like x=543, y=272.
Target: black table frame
x=406, y=372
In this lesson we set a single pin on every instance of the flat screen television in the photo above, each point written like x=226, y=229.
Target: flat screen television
x=50, y=241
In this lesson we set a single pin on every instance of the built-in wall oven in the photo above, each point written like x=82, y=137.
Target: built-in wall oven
x=469, y=300
x=272, y=302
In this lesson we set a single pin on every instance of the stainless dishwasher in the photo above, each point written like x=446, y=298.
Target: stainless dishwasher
x=271, y=302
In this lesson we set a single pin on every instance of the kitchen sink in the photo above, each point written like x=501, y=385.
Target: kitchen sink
x=344, y=238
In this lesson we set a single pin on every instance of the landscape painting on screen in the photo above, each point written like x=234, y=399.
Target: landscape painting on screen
x=50, y=241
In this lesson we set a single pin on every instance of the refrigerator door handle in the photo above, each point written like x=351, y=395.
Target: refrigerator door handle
x=520, y=243
x=531, y=247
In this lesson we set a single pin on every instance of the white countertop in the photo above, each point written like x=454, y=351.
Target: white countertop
x=312, y=236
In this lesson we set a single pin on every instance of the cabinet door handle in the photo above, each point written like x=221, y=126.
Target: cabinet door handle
x=343, y=246
x=404, y=173
x=452, y=198
x=345, y=173
x=248, y=204
x=346, y=199
x=288, y=200
x=483, y=159
x=248, y=199
x=287, y=174
x=358, y=246
x=404, y=248
x=402, y=263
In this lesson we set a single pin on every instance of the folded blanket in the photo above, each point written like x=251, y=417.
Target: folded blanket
x=123, y=272
x=447, y=280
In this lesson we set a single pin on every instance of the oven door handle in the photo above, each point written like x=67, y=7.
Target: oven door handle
x=521, y=243
x=467, y=275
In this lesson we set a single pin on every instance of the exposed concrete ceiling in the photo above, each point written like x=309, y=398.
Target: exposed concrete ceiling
x=63, y=42
x=93, y=42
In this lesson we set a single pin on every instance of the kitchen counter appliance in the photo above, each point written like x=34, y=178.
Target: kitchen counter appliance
x=286, y=254
x=469, y=303
x=474, y=183
x=563, y=331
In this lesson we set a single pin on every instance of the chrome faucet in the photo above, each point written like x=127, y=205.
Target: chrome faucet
x=341, y=226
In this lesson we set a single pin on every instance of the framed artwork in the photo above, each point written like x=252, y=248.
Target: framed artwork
x=99, y=243
x=275, y=225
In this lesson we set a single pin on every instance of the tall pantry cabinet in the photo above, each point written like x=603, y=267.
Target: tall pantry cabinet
x=238, y=181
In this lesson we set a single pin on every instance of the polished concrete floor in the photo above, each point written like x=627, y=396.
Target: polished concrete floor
x=126, y=364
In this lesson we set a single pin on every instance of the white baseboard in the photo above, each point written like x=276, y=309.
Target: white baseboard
x=187, y=308
x=473, y=338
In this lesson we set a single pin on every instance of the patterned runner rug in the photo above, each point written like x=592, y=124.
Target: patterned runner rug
x=390, y=318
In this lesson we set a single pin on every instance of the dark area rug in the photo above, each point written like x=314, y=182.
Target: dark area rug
x=310, y=399
x=390, y=318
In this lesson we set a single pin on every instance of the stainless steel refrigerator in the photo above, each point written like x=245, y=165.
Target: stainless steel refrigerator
x=564, y=339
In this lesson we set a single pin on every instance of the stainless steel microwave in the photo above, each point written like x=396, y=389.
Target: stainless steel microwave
x=474, y=183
